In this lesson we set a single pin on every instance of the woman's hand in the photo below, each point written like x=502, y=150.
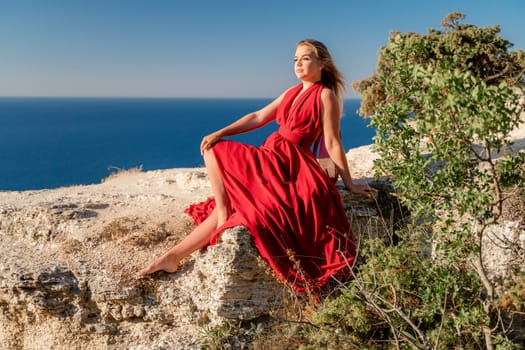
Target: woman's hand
x=361, y=189
x=208, y=141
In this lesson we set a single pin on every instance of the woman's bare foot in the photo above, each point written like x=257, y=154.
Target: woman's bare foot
x=168, y=262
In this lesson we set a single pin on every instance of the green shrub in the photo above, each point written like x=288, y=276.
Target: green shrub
x=444, y=104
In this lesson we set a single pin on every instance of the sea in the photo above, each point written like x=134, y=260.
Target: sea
x=49, y=142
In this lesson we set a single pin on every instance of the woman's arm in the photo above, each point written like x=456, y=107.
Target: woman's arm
x=334, y=145
x=249, y=122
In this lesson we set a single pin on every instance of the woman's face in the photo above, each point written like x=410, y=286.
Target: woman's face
x=307, y=65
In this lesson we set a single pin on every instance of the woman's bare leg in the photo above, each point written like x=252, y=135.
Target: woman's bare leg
x=197, y=239
x=222, y=201
x=201, y=235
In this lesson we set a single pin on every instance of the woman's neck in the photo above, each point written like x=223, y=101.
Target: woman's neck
x=307, y=84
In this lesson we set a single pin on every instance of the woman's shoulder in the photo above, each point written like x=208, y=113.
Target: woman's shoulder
x=328, y=95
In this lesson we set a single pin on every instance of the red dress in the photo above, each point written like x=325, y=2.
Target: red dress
x=281, y=194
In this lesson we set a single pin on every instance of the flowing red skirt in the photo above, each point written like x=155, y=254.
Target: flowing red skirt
x=291, y=208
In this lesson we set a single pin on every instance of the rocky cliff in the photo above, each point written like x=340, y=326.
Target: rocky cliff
x=69, y=258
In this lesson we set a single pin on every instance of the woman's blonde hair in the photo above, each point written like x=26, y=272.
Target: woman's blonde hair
x=331, y=77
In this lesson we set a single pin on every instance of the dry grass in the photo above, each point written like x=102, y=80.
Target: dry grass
x=119, y=228
x=514, y=206
x=151, y=235
x=119, y=171
x=135, y=231
x=72, y=246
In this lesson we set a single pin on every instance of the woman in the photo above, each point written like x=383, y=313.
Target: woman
x=279, y=191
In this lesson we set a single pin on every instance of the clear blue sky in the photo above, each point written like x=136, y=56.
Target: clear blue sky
x=214, y=48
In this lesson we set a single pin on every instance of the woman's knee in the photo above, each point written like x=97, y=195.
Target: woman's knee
x=209, y=157
x=207, y=153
